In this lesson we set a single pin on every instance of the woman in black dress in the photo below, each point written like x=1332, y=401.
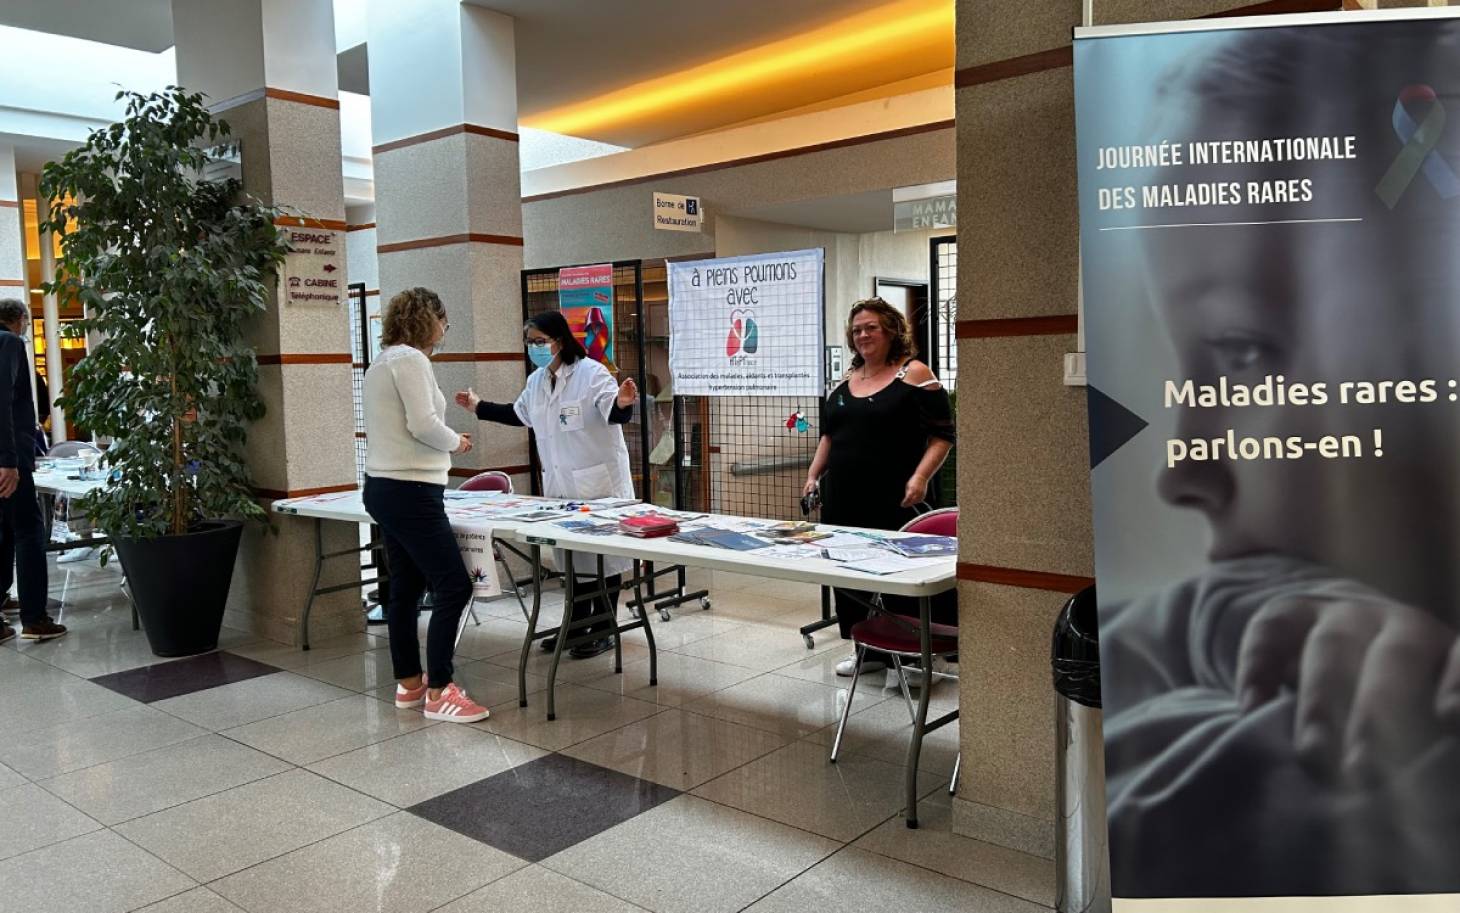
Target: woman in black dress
x=885, y=431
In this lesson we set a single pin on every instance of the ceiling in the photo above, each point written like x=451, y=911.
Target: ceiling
x=578, y=53
x=634, y=72
x=32, y=153
x=144, y=25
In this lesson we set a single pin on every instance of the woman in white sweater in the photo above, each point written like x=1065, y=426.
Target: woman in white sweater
x=409, y=453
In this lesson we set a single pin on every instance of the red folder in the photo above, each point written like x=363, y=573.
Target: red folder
x=648, y=526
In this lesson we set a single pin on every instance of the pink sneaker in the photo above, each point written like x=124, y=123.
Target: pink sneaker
x=455, y=707
x=410, y=698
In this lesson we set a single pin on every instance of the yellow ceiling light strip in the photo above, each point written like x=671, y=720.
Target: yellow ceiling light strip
x=884, y=32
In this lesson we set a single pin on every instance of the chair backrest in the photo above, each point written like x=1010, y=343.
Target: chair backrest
x=69, y=449
x=942, y=522
x=489, y=481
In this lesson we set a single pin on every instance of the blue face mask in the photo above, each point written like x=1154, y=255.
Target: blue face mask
x=540, y=354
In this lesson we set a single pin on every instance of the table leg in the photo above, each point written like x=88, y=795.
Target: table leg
x=48, y=509
x=827, y=620
x=612, y=602
x=915, y=747
x=648, y=631
x=531, y=625
x=570, y=593
x=314, y=585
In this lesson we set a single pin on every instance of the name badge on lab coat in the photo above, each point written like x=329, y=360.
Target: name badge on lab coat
x=570, y=418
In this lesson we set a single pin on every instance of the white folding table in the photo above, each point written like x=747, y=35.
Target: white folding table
x=921, y=582
x=51, y=484
x=349, y=507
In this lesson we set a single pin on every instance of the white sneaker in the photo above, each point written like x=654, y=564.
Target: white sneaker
x=846, y=667
x=941, y=668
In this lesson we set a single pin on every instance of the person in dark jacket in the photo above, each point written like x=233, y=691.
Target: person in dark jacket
x=21, y=523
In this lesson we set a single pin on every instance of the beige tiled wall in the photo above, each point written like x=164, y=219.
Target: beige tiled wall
x=306, y=438
x=453, y=185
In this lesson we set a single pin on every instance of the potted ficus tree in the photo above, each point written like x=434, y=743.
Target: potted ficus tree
x=170, y=267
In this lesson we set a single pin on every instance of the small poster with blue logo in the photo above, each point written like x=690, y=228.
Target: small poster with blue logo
x=747, y=326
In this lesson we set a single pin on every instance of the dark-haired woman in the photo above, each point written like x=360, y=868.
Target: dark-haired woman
x=885, y=432
x=575, y=410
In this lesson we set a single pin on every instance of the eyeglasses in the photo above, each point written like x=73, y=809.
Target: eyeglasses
x=865, y=330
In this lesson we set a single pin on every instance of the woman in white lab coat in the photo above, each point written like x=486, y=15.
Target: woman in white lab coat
x=575, y=410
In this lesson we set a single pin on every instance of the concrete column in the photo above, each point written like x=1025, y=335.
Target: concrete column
x=448, y=200
x=268, y=67
x=24, y=186
x=12, y=237
x=51, y=321
x=13, y=281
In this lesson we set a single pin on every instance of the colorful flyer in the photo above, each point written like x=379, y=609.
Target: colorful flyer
x=585, y=296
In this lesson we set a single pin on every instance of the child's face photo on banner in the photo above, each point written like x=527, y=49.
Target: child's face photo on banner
x=1276, y=550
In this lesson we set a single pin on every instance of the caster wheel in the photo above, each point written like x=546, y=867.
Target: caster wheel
x=635, y=612
x=706, y=604
x=663, y=614
x=810, y=641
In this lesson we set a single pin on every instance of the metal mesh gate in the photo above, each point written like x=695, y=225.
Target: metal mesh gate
x=749, y=455
x=737, y=455
x=945, y=308
x=724, y=454
x=945, y=349
x=360, y=360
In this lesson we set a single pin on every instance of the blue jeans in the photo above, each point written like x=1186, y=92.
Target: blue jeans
x=23, y=545
x=422, y=554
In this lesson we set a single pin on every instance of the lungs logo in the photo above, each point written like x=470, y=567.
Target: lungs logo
x=744, y=334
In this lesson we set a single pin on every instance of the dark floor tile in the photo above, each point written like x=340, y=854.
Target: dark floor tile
x=184, y=676
x=545, y=806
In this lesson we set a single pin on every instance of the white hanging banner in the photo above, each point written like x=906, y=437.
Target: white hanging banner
x=747, y=326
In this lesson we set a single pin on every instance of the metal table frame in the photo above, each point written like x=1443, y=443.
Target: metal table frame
x=48, y=494
x=544, y=535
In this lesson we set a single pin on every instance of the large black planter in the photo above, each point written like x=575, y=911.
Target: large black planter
x=180, y=584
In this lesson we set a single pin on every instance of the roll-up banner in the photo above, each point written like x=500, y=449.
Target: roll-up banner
x=1270, y=231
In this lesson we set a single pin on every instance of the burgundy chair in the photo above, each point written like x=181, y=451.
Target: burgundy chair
x=493, y=480
x=489, y=481
x=942, y=522
x=901, y=638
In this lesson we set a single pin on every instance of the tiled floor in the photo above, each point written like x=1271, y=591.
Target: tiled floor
x=261, y=778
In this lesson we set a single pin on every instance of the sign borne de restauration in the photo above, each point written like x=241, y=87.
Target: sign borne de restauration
x=674, y=212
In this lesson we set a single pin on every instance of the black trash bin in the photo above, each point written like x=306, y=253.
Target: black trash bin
x=1082, y=862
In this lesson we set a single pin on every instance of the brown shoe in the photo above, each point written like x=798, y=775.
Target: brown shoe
x=42, y=630
x=6, y=633
x=10, y=606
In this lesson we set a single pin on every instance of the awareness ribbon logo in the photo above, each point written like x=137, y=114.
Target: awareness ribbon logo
x=1420, y=139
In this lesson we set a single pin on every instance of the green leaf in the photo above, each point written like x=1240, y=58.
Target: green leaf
x=171, y=269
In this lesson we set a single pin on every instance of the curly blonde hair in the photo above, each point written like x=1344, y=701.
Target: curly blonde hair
x=410, y=318
x=893, y=324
